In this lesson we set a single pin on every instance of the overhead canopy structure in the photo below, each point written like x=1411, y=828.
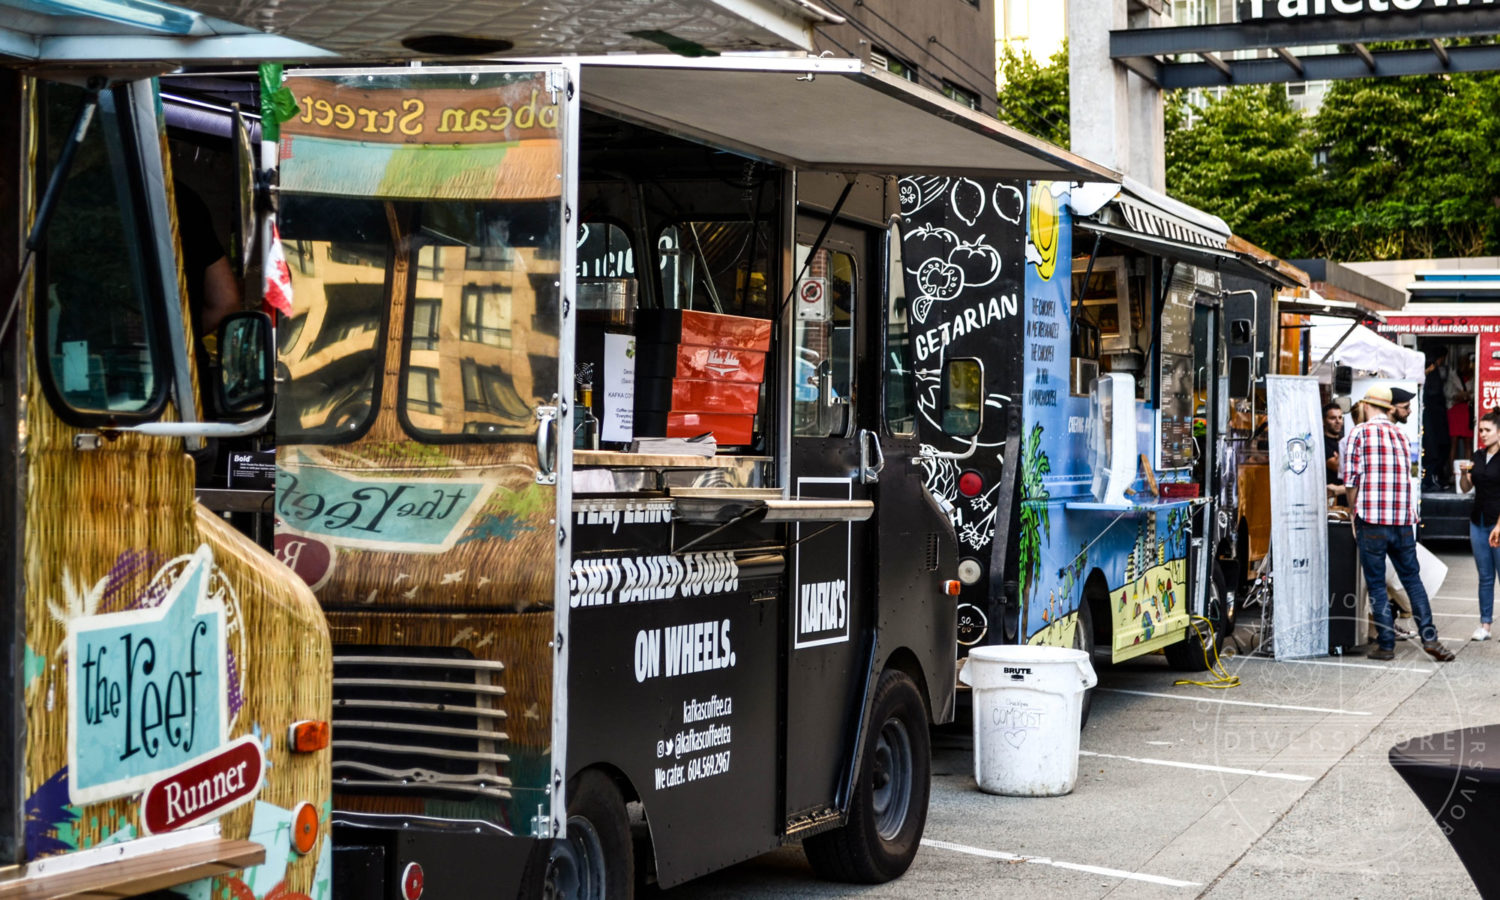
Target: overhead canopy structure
x=1272, y=49
x=829, y=114
x=74, y=31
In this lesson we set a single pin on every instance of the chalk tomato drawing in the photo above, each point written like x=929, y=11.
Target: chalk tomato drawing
x=940, y=280
x=916, y=191
x=968, y=200
x=1009, y=203
x=927, y=242
x=979, y=262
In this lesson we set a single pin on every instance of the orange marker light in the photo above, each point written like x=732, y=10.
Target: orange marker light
x=952, y=587
x=304, y=828
x=307, y=735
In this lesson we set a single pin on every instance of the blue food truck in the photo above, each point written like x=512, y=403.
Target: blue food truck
x=1084, y=326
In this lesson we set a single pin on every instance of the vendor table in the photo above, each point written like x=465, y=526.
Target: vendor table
x=1456, y=775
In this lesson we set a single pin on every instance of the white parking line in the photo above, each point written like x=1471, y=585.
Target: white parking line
x=1227, y=770
x=1331, y=662
x=1198, y=698
x=1058, y=864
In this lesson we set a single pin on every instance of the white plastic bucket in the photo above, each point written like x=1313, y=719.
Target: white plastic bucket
x=1028, y=708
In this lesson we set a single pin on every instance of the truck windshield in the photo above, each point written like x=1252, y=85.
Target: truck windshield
x=97, y=343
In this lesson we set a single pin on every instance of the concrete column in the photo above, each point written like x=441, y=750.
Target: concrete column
x=1115, y=115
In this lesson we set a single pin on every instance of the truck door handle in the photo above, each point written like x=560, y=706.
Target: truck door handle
x=869, y=471
x=546, y=445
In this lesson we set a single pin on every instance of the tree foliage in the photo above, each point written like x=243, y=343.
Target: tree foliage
x=1388, y=168
x=1034, y=96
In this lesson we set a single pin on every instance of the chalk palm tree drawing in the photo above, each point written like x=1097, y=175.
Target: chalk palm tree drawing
x=1035, y=520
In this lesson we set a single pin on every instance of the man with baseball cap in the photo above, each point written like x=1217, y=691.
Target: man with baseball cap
x=1378, y=478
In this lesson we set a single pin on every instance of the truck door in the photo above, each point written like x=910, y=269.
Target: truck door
x=831, y=601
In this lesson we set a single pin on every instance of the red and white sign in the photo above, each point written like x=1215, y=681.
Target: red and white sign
x=1487, y=373
x=812, y=294
x=1441, y=324
x=204, y=788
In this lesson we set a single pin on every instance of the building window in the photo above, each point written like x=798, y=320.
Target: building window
x=893, y=64
x=424, y=324
x=487, y=389
x=422, y=390
x=960, y=95
x=489, y=258
x=486, y=315
x=430, y=263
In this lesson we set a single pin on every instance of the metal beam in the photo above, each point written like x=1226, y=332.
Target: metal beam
x=1364, y=54
x=1440, y=50
x=1291, y=59
x=1214, y=60
x=1224, y=39
x=1144, y=66
x=1333, y=67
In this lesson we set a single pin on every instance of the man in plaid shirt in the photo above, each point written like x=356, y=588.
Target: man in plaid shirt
x=1378, y=477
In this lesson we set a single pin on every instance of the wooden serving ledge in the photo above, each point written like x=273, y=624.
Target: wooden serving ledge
x=139, y=874
x=617, y=459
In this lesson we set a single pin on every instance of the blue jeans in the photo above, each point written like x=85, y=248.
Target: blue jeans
x=1487, y=560
x=1400, y=543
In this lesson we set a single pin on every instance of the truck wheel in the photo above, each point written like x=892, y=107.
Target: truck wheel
x=595, y=862
x=889, y=808
x=1083, y=639
x=1192, y=654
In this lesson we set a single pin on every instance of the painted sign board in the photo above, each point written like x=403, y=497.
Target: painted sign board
x=1259, y=10
x=406, y=515
x=1487, y=372
x=1299, y=506
x=204, y=788
x=1441, y=324
x=146, y=688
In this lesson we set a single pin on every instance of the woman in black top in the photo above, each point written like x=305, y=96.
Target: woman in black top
x=1483, y=473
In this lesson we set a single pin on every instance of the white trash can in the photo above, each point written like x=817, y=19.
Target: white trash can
x=1028, y=708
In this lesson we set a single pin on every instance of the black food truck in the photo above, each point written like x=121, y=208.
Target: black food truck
x=596, y=440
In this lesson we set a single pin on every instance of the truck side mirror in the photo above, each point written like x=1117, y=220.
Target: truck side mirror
x=1240, y=377
x=962, y=399
x=1343, y=381
x=247, y=360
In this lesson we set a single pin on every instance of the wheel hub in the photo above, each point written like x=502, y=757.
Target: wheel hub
x=892, y=779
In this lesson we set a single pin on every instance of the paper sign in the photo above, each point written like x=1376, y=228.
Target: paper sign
x=146, y=688
x=619, y=387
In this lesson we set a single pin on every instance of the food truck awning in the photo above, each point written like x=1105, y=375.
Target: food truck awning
x=826, y=114
x=1316, y=304
x=1135, y=216
x=1225, y=261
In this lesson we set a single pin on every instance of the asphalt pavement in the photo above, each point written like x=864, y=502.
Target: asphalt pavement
x=1276, y=788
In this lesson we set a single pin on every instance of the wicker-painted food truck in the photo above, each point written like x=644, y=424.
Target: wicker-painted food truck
x=596, y=443
x=166, y=682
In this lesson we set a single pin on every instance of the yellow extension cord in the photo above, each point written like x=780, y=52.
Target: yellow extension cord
x=1224, y=681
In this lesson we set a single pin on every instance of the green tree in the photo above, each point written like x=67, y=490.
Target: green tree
x=1411, y=169
x=1245, y=158
x=1034, y=96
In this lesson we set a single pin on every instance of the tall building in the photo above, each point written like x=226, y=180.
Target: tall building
x=947, y=45
x=1037, y=27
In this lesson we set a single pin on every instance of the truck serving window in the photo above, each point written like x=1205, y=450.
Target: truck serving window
x=720, y=267
x=483, y=301
x=338, y=251
x=99, y=347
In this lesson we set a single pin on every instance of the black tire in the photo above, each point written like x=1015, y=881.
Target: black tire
x=1083, y=639
x=889, y=808
x=595, y=862
x=1192, y=654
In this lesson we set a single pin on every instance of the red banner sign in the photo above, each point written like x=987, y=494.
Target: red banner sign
x=204, y=788
x=1443, y=324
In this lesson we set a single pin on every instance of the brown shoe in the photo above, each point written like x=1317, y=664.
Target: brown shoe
x=1382, y=654
x=1437, y=651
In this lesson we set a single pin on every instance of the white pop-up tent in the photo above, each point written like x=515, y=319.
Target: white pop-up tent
x=1363, y=350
